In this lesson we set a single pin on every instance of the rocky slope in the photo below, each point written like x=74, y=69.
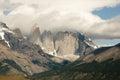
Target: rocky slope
x=27, y=57
x=17, y=62
x=68, y=45
x=104, y=53
x=102, y=65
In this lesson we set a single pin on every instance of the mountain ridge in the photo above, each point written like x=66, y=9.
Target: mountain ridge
x=85, y=69
x=34, y=56
x=64, y=44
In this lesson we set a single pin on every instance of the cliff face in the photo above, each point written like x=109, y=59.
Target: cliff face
x=71, y=43
x=67, y=45
x=35, y=33
x=47, y=42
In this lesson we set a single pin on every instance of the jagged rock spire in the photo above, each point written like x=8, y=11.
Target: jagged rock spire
x=35, y=34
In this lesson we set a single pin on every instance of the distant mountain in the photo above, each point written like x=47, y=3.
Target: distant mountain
x=21, y=56
x=104, y=53
x=67, y=45
x=101, y=64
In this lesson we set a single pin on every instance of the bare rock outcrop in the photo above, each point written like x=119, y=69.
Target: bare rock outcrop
x=68, y=45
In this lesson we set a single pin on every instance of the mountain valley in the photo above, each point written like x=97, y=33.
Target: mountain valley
x=68, y=55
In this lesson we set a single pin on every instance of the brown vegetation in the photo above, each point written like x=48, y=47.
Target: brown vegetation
x=13, y=78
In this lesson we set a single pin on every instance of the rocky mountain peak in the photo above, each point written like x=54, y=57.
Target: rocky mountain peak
x=35, y=33
x=28, y=57
x=64, y=44
x=35, y=27
x=3, y=31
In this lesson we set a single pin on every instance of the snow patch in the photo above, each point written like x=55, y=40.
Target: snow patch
x=53, y=53
x=25, y=37
x=89, y=39
x=7, y=43
x=42, y=48
x=7, y=30
x=92, y=45
x=95, y=47
x=4, y=29
x=3, y=38
x=10, y=31
x=2, y=35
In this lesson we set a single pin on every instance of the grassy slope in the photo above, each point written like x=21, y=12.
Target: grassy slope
x=107, y=70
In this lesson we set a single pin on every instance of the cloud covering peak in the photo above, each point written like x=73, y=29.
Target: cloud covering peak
x=61, y=15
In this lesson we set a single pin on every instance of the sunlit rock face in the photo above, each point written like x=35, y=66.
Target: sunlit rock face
x=47, y=42
x=35, y=33
x=68, y=45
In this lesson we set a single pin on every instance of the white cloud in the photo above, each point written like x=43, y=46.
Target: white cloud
x=62, y=14
x=24, y=9
x=69, y=5
x=110, y=28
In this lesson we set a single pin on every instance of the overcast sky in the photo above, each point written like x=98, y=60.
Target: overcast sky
x=99, y=19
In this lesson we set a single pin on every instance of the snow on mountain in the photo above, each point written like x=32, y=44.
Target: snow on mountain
x=3, y=30
x=92, y=45
x=28, y=56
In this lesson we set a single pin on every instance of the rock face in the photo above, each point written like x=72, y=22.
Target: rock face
x=18, y=61
x=35, y=32
x=47, y=42
x=67, y=45
x=3, y=29
x=27, y=56
x=71, y=43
